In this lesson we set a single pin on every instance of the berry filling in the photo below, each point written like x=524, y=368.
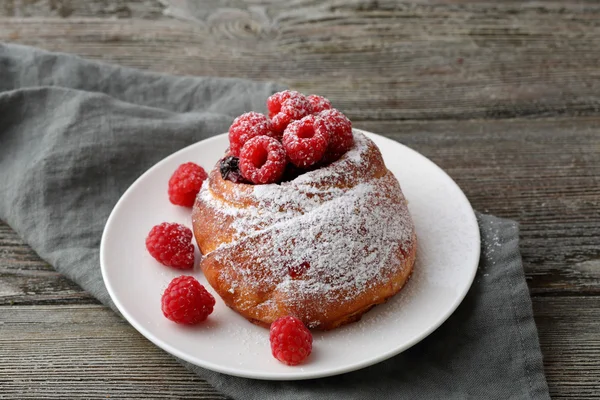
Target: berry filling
x=305, y=132
x=230, y=169
x=296, y=271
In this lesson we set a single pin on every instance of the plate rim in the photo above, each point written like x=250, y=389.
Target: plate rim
x=297, y=374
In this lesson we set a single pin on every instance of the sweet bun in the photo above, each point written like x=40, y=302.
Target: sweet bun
x=325, y=246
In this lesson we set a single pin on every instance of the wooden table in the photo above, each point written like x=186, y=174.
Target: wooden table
x=502, y=95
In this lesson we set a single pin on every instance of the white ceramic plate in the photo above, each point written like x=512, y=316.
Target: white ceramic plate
x=447, y=258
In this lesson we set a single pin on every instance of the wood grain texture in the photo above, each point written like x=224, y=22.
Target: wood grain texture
x=87, y=351
x=65, y=352
x=90, y=8
x=570, y=339
x=26, y=279
x=376, y=60
x=505, y=96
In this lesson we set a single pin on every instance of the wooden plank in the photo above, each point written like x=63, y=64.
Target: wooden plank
x=81, y=351
x=423, y=62
x=154, y=9
x=570, y=341
x=382, y=62
x=149, y=9
x=65, y=352
x=26, y=279
x=545, y=173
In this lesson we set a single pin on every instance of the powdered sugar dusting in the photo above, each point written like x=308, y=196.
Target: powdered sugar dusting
x=246, y=127
x=351, y=235
x=296, y=105
x=319, y=103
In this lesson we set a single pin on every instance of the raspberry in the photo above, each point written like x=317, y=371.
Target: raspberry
x=319, y=103
x=291, y=341
x=186, y=301
x=274, y=101
x=285, y=107
x=262, y=160
x=340, y=132
x=304, y=143
x=245, y=127
x=185, y=183
x=171, y=245
x=230, y=169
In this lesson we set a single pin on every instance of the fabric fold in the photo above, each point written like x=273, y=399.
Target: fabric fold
x=74, y=134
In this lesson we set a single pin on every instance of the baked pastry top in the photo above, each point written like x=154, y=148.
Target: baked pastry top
x=325, y=246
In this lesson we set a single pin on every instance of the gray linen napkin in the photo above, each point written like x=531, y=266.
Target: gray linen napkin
x=74, y=134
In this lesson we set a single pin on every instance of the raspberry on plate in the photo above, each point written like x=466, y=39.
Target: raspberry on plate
x=287, y=106
x=245, y=127
x=171, y=245
x=262, y=160
x=304, y=143
x=186, y=301
x=340, y=132
x=319, y=103
x=185, y=183
x=291, y=341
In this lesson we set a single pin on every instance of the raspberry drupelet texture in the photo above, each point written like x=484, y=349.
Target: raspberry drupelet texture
x=291, y=341
x=275, y=101
x=247, y=126
x=304, y=142
x=185, y=183
x=171, y=245
x=262, y=160
x=340, y=132
x=319, y=103
x=186, y=301
x=287, y=106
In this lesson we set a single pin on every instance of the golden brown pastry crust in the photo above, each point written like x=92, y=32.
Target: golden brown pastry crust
x=348, y=221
